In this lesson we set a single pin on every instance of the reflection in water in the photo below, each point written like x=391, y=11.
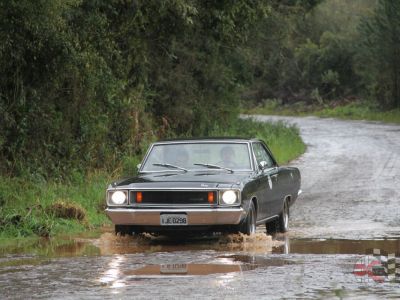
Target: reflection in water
x=336, y=246
x=119, y=272
x=112, y=276
x=48, y=248
x=183, y=269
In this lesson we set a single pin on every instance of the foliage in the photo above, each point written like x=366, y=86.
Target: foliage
x=380, y=53
x=361, y=111
x=84, y=83
x=307, y=53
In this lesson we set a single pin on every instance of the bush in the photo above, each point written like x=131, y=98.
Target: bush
x=67, y=210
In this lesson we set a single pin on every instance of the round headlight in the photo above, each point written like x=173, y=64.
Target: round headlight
x=229, y=197
x=118, y=197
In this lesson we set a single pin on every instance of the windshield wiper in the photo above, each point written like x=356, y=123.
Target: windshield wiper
x=214, y=167
x=170, y=166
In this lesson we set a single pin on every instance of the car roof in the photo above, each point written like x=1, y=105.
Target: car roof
x=205, y=139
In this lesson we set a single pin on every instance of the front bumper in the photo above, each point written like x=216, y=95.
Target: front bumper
x=151, y=217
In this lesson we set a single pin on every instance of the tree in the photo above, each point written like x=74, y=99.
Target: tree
x=380, y=52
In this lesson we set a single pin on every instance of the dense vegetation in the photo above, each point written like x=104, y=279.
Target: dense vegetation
x=85, y=85
x=339, y=59
x=338, y=51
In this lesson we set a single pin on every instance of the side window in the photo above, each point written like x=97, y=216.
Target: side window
x=262, y=155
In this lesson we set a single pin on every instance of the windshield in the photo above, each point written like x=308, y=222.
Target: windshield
x=198, y=156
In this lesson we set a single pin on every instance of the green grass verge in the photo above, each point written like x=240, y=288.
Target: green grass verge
x=350, y=111
x=30, y=207
x=25, y=206
x=357, y=111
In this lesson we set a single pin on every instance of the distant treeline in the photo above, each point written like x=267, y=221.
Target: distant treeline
x=86, y=82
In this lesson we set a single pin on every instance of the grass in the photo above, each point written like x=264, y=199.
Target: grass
x=356, y=110
x=32, y=207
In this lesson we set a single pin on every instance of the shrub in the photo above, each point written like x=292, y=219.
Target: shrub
x=67, y=210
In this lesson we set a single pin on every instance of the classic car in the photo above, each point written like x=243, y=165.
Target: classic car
x=207, y=185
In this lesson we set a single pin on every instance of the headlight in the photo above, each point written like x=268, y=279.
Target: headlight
x=229, y=197
x=118, y=198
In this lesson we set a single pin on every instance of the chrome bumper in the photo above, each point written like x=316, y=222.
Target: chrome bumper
x=151, y=217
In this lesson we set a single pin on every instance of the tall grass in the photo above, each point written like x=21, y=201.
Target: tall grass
x=30, y=207
x=359, y=110
x=24, y=209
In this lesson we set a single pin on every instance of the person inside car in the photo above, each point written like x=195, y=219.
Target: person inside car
x=227, y=157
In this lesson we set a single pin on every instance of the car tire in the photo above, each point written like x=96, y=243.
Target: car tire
x=281, y=224
x=249, y=225
x=124, y=230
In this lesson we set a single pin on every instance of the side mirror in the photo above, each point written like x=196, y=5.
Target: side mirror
x=262, y=165
x=138, y=166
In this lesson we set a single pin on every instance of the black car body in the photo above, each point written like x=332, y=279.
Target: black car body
x=215, y=184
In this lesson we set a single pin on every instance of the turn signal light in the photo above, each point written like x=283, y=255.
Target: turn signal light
x=210, y=197
x=139, y=197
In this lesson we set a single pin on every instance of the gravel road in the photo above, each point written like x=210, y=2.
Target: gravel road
x=351, y=179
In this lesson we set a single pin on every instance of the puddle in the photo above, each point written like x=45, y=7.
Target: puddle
x=224, y=264
x=337, y=246
x=187, y=269
x=260, y=243
x=50, y=248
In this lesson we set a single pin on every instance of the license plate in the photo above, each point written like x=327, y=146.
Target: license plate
x=173, y=219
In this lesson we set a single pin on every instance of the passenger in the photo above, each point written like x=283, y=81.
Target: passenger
x=227, y=156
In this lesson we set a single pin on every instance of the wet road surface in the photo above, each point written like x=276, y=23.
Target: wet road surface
x=349, y=207
x=350, y=179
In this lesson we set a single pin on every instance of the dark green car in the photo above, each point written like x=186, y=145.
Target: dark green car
x=208, y=185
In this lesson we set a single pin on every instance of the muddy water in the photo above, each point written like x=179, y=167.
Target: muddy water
x=233, y=266
x=348, y=211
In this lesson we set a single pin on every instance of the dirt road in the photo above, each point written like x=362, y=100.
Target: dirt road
x=350, y=206
x=351, y=179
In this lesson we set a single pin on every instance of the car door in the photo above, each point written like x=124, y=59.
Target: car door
x=279, y=179
x=267, y=176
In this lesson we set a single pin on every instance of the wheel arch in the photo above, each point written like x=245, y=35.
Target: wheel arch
x=287, y=198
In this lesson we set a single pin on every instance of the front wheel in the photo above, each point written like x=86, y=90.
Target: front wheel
x=249, y=225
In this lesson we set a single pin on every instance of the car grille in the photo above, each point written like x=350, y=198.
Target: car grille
x=174, y=197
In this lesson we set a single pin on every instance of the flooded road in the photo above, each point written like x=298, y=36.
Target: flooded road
x=343, y=243
x=350, y=179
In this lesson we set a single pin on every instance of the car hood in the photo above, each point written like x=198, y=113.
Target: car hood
x=178, y=180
